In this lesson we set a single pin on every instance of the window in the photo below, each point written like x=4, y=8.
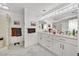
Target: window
x=73, y=25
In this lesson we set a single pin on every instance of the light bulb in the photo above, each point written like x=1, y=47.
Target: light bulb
x=5, y=7
x=0, y=5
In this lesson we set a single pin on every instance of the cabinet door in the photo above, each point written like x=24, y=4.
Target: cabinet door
x=57, y=48
x=39, y=35
x=69, y=50
x=32, y=39
x=42, y=41
x=49, y=44
x=46, y=42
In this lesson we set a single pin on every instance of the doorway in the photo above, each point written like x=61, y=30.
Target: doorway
x=4, y=31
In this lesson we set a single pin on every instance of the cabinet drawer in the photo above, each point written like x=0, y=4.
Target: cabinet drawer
x=48, y=43
x=67, y=40
x=45, y=36
x=50, y=48
x=42, y=42
x=70, y=41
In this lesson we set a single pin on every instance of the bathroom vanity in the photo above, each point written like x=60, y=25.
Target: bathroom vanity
x=58, y=44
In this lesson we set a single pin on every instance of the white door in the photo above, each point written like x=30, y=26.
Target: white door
x=69, y=50
x=4, y=29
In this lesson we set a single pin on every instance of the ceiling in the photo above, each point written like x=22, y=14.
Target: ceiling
x=39, y=9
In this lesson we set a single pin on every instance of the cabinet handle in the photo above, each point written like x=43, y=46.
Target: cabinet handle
x=62, y=46
x=62, y=39
x=40, y=38
x=48, y=41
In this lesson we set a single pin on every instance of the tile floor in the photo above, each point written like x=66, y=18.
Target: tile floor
x=35, y=50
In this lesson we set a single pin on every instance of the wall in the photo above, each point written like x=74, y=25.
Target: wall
x=13, y=16
x=16, y=17
x=30, y=39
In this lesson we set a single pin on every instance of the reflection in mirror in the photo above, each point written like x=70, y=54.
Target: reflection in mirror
x=68, y=26
x=73, y=27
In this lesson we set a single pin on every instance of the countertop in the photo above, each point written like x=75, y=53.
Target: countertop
x=61, y=35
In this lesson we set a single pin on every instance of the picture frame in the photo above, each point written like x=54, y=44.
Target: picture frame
x=33, y=23
x=16, y=22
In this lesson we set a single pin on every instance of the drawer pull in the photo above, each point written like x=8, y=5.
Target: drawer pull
x=40, y=38
x=48, y=41
x=60, y=45
x=62, y=39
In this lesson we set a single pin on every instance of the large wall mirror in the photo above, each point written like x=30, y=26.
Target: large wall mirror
x=68, y=26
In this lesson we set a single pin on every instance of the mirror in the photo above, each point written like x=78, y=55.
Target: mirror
x=68, y=26
x=44, y=25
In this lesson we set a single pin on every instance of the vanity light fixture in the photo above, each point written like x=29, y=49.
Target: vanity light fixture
x=3, y=6
x=0, y=5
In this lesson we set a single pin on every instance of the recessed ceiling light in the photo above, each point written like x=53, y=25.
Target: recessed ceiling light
x=3, y=6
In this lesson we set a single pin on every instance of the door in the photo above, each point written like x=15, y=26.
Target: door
x=4, y=30
x=57, y=47
x=69, y=50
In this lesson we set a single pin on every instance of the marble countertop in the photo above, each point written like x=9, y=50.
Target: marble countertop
x=61, y=35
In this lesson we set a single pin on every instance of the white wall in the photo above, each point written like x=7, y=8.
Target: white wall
x=30, y=39
x=13, y=16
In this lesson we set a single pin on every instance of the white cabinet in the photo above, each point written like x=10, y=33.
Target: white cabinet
x=42, y=41
x=46, y=41
x=57, y=49
x=49, y=44
x=64, y=48
x=69, y=50
x=59, y=45
x=32, y=38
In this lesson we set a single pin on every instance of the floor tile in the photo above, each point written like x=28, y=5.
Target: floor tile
x=35, y=50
